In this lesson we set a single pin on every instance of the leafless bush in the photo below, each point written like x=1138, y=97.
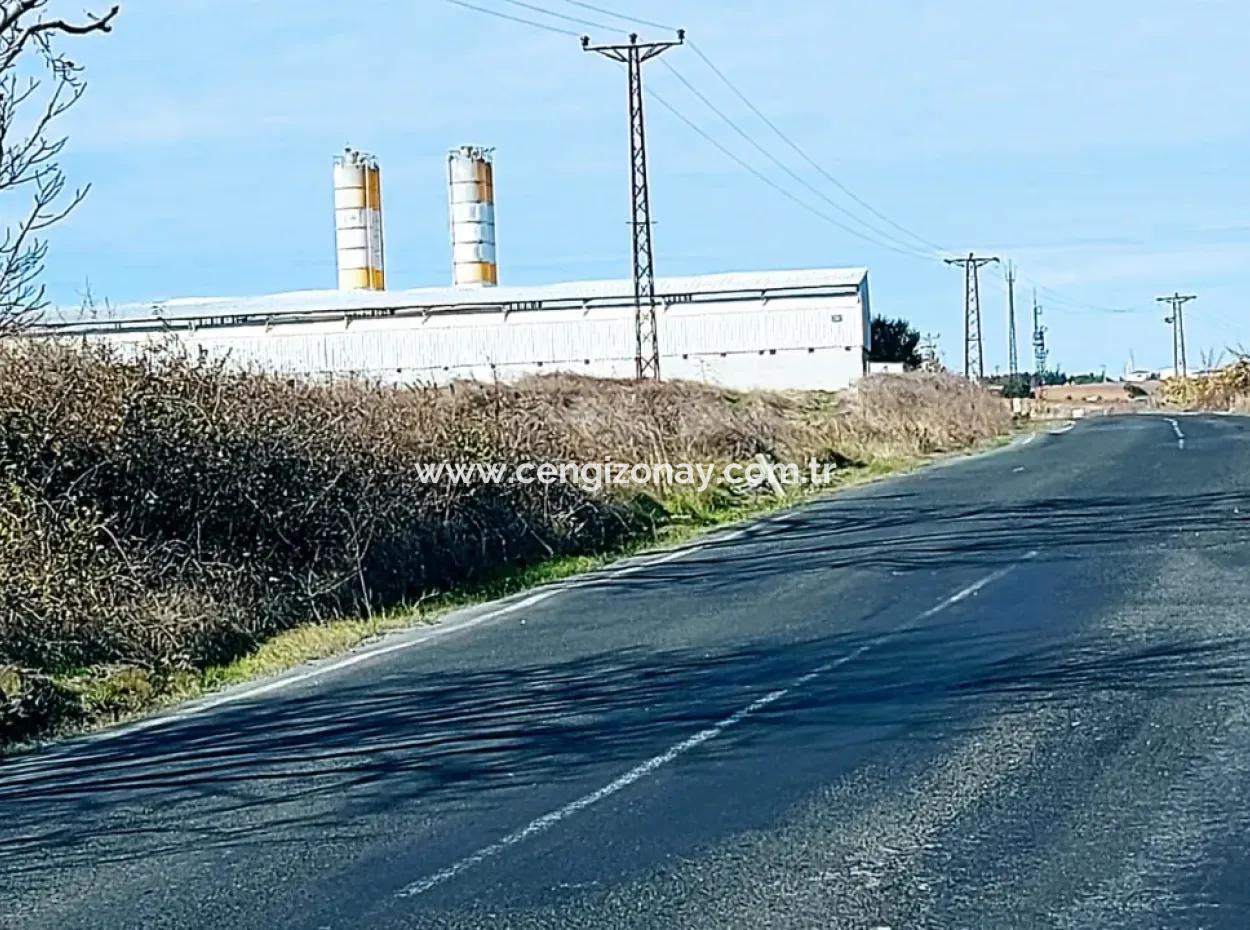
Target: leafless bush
x=149, y=497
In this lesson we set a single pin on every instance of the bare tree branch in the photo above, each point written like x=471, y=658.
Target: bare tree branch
x=18, y=37
x=10, y=13
x=29, y=106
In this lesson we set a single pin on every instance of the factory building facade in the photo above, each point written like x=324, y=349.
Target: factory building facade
x=773, y=330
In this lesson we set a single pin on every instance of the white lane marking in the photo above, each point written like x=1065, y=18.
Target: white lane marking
x=1062, y=430
x=643, y=769
x=1176, y=428
x=1017, y=470
x=1028, y=439
x=289, y=679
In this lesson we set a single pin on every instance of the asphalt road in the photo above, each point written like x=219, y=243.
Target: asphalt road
x=1010, y=691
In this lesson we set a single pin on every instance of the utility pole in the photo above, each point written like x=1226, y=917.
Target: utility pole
x=1013, y=362
x=646, y=336
x=974, y=358
x=1177, y=319
x=929, y=353
x=1039, y=343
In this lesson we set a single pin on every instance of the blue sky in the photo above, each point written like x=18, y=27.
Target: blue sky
x=1101, y=145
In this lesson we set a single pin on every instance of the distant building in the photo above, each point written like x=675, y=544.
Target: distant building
x=886, y=368
x=774, y=330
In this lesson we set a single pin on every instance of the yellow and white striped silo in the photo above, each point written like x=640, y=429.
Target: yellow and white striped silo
x=471, y=176
x=358, y=222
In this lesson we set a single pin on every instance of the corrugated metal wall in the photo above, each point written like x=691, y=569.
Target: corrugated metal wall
x=790, y=342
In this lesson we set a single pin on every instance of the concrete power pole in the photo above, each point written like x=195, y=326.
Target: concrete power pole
x=1013, y=361
x=1013, y=358
x=646, y=336
x=1177, y=319
x=1039, y=343
x=974, y=357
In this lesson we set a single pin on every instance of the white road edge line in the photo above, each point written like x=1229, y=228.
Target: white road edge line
x=1028, y=439
x=1176, y=428
x=643, y=769
x=287, y=680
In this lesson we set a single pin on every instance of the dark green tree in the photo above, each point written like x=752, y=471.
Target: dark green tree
x=895, y=341
x=1017, y=386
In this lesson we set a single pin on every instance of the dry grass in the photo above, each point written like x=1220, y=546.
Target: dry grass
x=160, y=516
x=1226, y=389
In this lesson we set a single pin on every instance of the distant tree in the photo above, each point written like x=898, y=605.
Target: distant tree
x=1017, y=386
x=37, y=85
x=895, y=341
x=1046, y=377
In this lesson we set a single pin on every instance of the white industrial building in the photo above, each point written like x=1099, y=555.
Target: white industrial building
x=773, y=329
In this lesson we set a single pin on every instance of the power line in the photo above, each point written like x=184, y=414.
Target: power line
x=568, y=19
x=884, y=238
x=622, y=16
x=747, y=166
x=1056, y=297
x=785, y=138
x=1229, y=330
x=1066, y=303
x=694, y=127
x=511, y=18
x=805, y=156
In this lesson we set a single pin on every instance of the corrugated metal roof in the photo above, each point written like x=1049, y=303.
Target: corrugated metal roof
x=323, y=301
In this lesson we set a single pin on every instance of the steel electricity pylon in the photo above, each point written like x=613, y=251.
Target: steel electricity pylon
x=646, y=336
x=974, y=356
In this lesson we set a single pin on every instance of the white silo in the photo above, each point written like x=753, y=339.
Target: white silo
x=471, y=178
x=358, y=222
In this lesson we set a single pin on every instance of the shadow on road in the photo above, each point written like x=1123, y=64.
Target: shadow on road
x=909, y=532
x=324, y=764
x=314, y=764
